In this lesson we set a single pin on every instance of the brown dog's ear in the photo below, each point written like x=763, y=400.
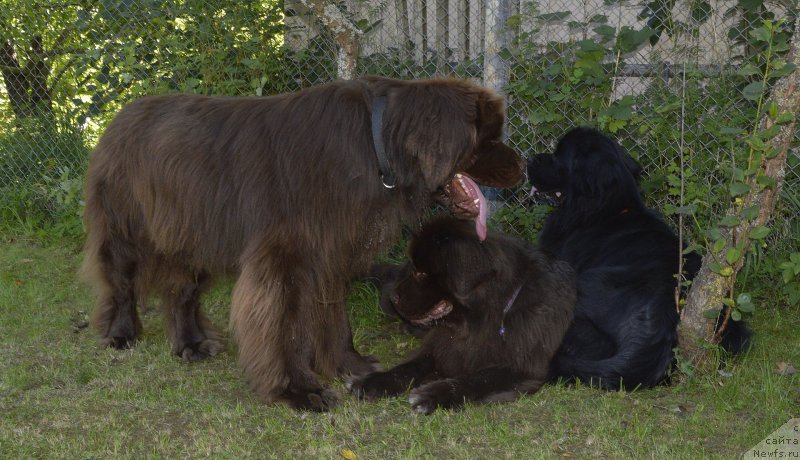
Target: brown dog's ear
x=496, y=164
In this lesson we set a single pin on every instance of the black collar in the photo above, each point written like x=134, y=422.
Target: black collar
x=387, y=176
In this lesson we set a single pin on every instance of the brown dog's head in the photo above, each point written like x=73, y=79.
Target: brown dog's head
x=448, y=271
x=449, y=133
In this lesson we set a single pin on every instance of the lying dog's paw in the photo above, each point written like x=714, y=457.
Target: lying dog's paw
x=375, y=385
x=441, y=393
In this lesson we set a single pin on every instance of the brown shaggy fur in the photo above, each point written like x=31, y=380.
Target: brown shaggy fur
x=507, y=308
x=284, y=193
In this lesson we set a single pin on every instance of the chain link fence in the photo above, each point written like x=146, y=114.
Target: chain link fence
x=668, y=78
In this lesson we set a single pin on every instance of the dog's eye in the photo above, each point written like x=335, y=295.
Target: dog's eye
x=420, y=276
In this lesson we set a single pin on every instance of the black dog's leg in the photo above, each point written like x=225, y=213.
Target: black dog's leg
x=394, y=381
x=493, y=384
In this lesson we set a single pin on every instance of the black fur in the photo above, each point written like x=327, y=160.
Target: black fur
x=465, y=357
x=625, y=257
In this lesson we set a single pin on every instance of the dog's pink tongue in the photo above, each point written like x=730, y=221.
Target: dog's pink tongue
x=474, y=192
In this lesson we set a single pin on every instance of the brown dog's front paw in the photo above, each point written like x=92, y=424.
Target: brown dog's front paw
x=201, y=350
x=122, y=342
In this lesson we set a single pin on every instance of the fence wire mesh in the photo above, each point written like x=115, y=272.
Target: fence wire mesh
x=664, y=76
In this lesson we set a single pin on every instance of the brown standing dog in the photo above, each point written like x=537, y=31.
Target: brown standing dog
x=292, y=194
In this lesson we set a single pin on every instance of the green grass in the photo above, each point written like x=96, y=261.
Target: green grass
x=62, y=396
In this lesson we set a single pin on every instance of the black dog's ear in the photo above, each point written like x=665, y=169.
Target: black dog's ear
x=630, y=163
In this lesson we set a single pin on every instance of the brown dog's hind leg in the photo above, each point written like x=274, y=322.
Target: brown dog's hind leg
x=115, y=317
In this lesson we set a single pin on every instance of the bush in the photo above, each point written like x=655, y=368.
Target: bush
x=41, y=165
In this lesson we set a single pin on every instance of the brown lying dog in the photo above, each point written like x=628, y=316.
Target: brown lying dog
x=498, y=310
x=286, y=193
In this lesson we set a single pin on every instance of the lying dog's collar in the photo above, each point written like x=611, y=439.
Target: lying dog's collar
x=387, y=177
x=507, y=308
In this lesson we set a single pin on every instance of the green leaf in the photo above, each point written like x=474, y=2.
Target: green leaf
x=759, y=233
x=750, y=5
x=719, y=245
x=753, y=91
x=605, y=32
x=729, y=221
x=739, y=188
x=589, y=46
x=557, y=16
x=714, y=233
x=693, y=248
x=687, y=210
x=788, y=275
x=630, y=39
x=598, y=19
x=736, y=315
x=761, y=34
x=766, y=181
x=770, y=133
x=750, y=212
x=620, y=112
x=755, y=142
x=744, y=303
x=726, y=271
x=733, y=255
x=772, y=152
x=786, y=70
x=725, y=130
x=748, y=70
x=673, y=106
x=728, y=302
x=784, y=118
x=711, y=314
x=773, y=109
x=715, y=267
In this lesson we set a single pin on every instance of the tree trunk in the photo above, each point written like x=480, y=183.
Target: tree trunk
x=15, y=81
x=27, y=87
x=38, y=72
x=709, y=289
x=344, y=32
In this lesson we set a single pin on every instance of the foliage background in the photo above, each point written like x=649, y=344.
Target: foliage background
x=668, y=84
x=674, y=80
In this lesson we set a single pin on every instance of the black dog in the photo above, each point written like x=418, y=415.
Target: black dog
x=498, y=311
x=625, y=257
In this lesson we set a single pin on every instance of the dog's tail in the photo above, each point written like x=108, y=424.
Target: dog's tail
x=640, y=366
x=624, y=370
x=737, y=336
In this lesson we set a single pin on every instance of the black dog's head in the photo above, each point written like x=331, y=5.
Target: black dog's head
x=447, y=271
x=587, y=168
